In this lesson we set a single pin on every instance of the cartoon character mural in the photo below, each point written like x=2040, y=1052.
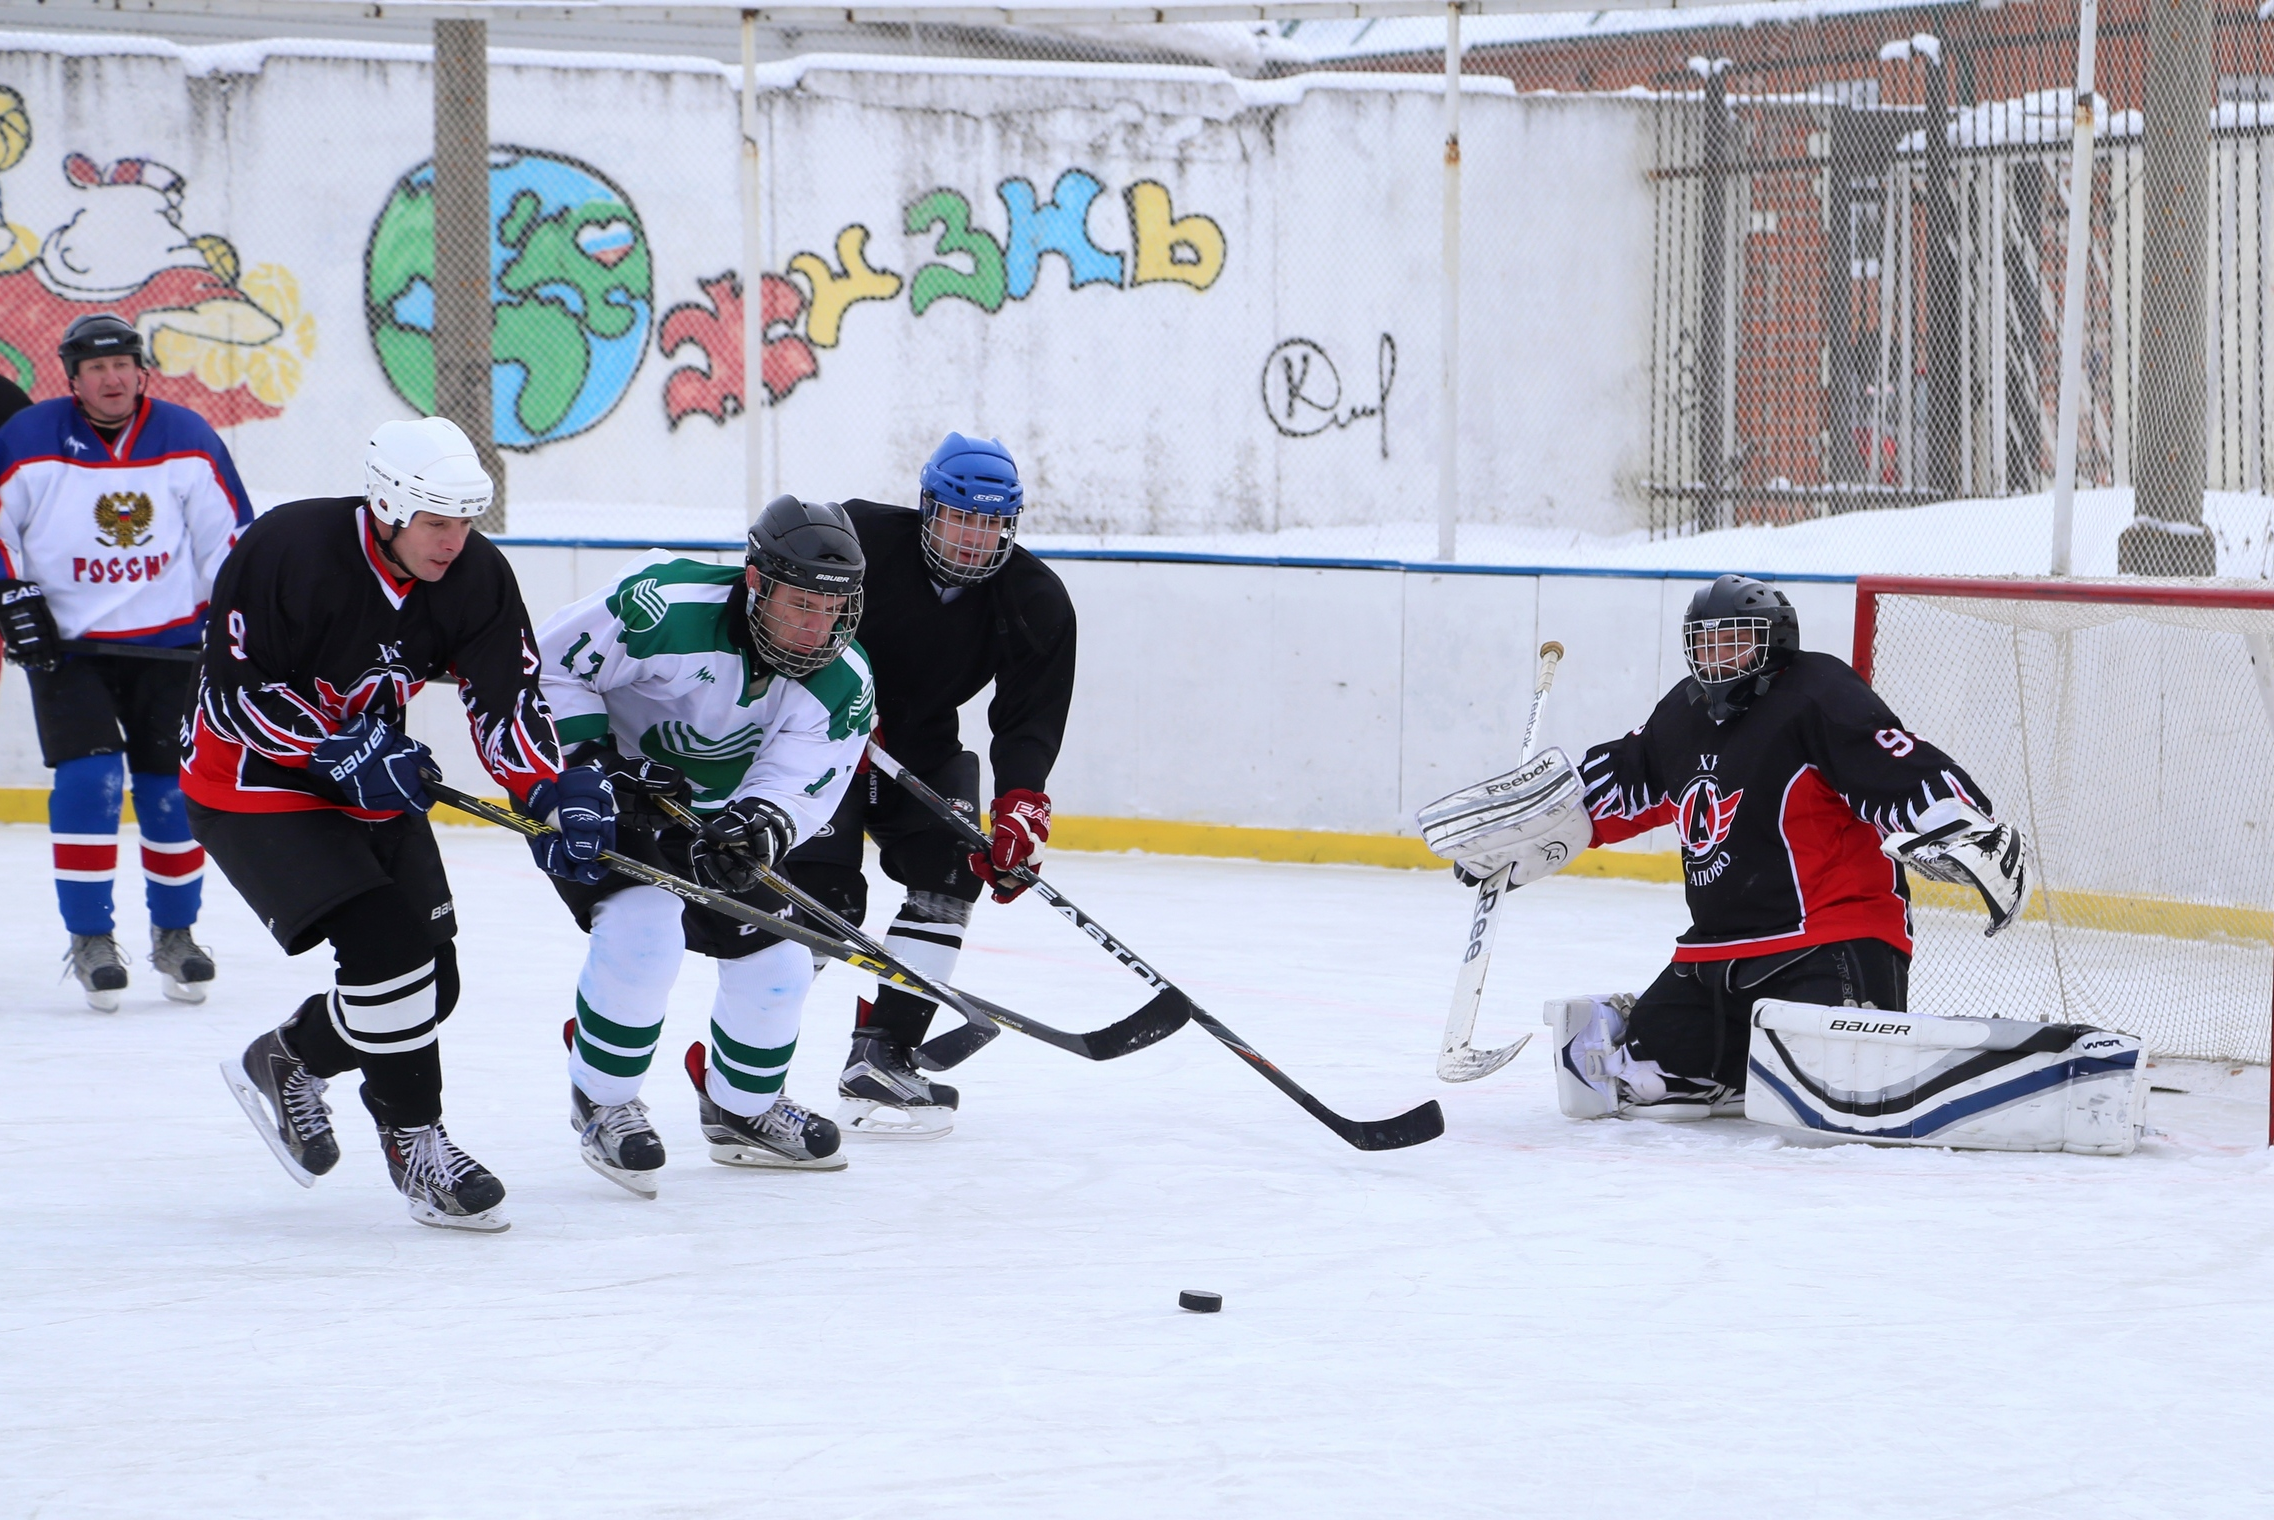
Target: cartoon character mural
x=1164, y=249
x=227, y=342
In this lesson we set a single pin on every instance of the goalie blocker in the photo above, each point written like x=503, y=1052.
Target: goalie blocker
x=1966, y=1083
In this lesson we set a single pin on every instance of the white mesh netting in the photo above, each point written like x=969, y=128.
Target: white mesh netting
x=2133, y=743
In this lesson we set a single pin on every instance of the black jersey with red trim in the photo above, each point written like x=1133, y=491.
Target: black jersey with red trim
x=312, y=627
x=932, y=649
x=1780, y=811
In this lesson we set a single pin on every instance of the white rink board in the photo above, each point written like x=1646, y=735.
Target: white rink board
x=1525, y=1318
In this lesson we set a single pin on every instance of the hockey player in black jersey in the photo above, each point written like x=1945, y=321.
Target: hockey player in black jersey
x=306, y=791
x=1797, y=798
x=953, y=604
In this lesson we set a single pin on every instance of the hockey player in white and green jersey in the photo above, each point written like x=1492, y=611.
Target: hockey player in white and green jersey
x=739, y=691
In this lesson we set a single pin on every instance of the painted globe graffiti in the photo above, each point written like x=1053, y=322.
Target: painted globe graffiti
x=570, y=283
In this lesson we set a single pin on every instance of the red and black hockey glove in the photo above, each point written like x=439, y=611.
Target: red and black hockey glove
x=27, y=626
x=1022, y=828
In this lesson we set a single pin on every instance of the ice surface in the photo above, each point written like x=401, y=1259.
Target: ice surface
x=1527, y=1317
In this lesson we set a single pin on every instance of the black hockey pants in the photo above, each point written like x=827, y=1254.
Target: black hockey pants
x=1695, y=1021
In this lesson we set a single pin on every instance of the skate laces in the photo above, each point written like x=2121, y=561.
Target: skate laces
x=784, y=1121
x=429, y=1156
x=90, y=953
x=304, y=1106
x=614, y=1121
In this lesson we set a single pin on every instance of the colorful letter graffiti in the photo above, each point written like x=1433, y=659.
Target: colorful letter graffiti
x=1187, y=250
x=227, y=342
x=569, y=280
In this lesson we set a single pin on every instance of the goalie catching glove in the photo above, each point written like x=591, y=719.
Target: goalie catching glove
x=1532, y=820
x=1957, y=844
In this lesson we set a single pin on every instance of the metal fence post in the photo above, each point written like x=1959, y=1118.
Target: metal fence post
x=1713, y=252
x=463, y=318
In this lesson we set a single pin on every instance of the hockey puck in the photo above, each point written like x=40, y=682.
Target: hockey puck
x=1199, y=1302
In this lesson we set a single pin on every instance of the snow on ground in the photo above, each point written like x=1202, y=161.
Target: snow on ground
x=1526, y=1317
x=1997, y=536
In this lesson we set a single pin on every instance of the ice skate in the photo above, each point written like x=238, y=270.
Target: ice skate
x=445, y=1187
x=884, y=1095
x=185, y=964
x=784, y=1136
x=618, y=1141
x=100, y=966
x=296, y=1122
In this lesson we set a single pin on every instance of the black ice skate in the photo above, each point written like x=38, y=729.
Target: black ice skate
x=100, y=966
x=296, y=1122
x=784, y=1136
x=883, y=1094
x=446, y=1188
x=185, y=965
x=618, y=1141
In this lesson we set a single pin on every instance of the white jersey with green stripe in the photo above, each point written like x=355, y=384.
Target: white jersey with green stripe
x=656, y=664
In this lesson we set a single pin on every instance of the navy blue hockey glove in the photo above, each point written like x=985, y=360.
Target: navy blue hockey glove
x=581, y=805
x=739, y=841
x=27, y=626
x=377, y=766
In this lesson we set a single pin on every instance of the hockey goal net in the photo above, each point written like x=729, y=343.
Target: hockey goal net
x=2128, y=728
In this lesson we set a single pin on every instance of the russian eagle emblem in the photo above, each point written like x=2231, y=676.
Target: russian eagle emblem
x=123, y=518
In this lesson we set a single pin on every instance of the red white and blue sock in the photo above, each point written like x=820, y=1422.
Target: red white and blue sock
x=82, y=821
x=173, y=863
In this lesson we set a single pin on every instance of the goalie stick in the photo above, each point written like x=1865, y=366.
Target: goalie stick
x=938, y=1054
x=1154, y=1022
x=1457, y=1059
x=1412, y=1127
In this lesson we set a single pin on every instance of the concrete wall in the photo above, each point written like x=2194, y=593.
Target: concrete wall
x=1187, y=301
x=1273, y=696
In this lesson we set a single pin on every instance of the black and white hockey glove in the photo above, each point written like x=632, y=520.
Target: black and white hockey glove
x=1532, y=820
x=27, y=625
x=378, y=767
x=739, y=841
x=1955, y=843
x=636, y=780
x=581, y=808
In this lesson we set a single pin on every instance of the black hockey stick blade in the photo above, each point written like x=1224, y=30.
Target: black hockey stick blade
x=1163, y=1016
x=1416, y=1126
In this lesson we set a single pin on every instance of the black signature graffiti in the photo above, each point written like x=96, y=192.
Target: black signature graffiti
x=1302, y=390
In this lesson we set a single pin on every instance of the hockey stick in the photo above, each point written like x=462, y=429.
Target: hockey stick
x=187, y=654
x=1457, y=1059
x=1148, y=1025
x=1412, y=1127
x=981, y=1016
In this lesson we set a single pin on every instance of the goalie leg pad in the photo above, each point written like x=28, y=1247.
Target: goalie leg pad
x=1965, y=1083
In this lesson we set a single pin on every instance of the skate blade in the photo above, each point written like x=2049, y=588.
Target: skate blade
x=881, y=1121
x=102, y=1002
x=758, y=1158
x=488, y=1222
x=249, y=1099
x=185, y=992
x=638, y=1184
x=1668, y=1112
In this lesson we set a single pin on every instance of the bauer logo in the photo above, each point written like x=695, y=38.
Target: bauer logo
x=1860, y=1026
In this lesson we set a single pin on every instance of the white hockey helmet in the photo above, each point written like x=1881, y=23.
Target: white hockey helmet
x=424, y=466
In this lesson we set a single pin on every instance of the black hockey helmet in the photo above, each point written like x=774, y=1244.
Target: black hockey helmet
x=809, y=563
x=1737, y=634
x=95, y=336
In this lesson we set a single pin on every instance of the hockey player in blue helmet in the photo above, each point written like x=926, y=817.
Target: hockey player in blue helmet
x=953, y=604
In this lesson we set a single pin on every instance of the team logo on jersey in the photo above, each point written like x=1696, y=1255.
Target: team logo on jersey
x=642, y=607
x=1704, y=815
x=123, y=518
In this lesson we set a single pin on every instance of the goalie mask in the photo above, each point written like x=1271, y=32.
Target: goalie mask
x=805, y=584
x=1736, y=635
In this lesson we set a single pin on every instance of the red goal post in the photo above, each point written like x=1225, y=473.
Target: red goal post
x=2127, y=727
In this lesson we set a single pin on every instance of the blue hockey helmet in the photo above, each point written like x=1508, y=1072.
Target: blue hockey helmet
x=975, y=480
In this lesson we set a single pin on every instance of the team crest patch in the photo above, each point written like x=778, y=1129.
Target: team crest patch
x=123, y=518
x=643, y=607
x=1704, y=815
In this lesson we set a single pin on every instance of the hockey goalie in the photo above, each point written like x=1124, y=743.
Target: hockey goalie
x=1798, y=800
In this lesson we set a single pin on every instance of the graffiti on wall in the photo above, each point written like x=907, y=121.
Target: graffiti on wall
x=804, y=311
x=571, y=289
x=229, y=342
x=1302, y=390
